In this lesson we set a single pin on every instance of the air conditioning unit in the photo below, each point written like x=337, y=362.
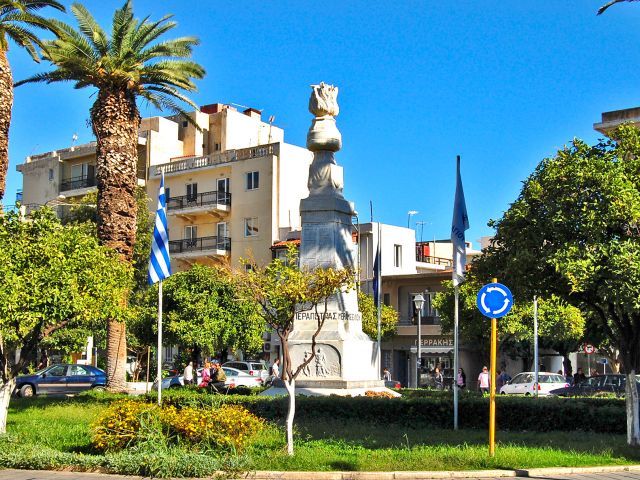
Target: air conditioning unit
x=266, y=347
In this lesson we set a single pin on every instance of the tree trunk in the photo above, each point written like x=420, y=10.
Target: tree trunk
x=115, y=121
x=633, y=410
x=5, y=396
x=290, y=385
x=6, y=102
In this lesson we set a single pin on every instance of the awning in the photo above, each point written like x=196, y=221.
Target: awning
x=442, y=350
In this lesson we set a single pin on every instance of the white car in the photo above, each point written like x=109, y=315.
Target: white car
x=235, y=378
x=524, y=384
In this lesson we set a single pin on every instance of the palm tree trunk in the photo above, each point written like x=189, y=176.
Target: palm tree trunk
x=6, y=102
x=115, y=121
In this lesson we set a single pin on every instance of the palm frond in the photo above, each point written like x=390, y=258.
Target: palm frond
x=90, y=28
x=38, y=4
x=602, y=9
x=23, y=38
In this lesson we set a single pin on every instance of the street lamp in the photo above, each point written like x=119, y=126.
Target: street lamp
x=418, y=301
x=410, y=213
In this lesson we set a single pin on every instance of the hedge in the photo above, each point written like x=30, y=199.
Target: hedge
x=603, y=415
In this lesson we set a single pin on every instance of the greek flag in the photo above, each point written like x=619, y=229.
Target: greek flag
x=159, y=263
x=459, y=224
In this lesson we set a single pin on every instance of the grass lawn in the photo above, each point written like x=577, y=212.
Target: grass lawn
x=52, y=433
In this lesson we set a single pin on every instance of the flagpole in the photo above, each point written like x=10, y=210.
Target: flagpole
x=159, y=355
x=455, y=358
x=379, y=305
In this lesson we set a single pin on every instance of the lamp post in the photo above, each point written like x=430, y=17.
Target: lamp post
x=410, y=213
x=418, y=301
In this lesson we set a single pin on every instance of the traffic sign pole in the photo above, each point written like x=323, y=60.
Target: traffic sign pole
x=492, y=388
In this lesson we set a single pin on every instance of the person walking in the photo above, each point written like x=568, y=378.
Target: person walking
x=275, y=368
x=579, y=377
x=206, y=377
x=188, y=374
x=386, y=375
x=483, y=380
x=438, y=379
x=461, y=379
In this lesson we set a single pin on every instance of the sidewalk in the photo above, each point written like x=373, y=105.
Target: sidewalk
x=631, y=472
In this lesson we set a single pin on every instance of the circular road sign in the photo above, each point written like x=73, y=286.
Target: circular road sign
x=589, y=349
x=494, y=300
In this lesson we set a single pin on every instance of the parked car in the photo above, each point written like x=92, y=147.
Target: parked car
x=608, y=383
x=61, y=378
x=235, y=378
x=255, y=368
x=523, y=383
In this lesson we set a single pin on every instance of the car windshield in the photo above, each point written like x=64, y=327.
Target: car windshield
x=257, y=366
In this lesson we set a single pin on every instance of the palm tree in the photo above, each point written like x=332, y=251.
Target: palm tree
x=129, y=63
x=17, y=18
x=612, y=2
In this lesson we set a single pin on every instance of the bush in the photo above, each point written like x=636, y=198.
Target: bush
x=435, y=411
x=127, y=423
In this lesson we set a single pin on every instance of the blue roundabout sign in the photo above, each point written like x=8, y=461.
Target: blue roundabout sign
x=494, y=300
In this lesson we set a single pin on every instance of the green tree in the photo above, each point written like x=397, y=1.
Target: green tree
x=17, y=20
x=558, y=322
x=574, y=232
x=128, y=64
x=388, y=318
x=282, y=289
x=53, y=278
x=204, y=311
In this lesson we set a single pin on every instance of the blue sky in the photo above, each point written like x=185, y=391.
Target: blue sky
x=420, y=82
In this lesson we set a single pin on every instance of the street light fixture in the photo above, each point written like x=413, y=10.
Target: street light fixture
x=418, y=301
x=411, y=213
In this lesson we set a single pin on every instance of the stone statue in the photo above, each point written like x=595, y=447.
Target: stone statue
x=324, y=100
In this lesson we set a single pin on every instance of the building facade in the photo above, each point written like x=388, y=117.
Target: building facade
x=233, y=185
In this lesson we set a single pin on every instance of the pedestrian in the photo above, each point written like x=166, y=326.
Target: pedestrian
x=218, y=379
x=461, y=379
x=188, y=374
x=502, y=380
x=206, y=377
x=579, y=377
x=275, y=368
x=386, y=375
x=438, y=379
x=483, y=380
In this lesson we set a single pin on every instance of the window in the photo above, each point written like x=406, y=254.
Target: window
x=386, y=299
x=216, y=146
x=78, y=370
x=223, y=185
x=397, y=255
x=50, y=174
x=222, y=230
x=167, y=194
x=82, y=170
x=57, y=371
x=192, y=192
x=191, y=235
x=253, y=180
x=250, y=227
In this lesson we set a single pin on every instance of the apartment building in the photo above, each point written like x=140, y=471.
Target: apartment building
x=233, y=185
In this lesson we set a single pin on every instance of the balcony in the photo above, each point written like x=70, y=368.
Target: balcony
x=200, y=247
x=74, y=183
x=213, y=203
x=182, y=165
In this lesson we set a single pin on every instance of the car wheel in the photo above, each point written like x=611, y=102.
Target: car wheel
x=27, y=391
x=527, y=394
x=503, y=393
x=99, y=388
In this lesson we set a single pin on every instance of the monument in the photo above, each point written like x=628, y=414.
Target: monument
x=345, y=357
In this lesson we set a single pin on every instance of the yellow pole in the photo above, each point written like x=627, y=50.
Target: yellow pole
x=492, y=385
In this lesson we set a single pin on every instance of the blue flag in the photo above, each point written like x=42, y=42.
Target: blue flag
x=376, y=277
x=459, y=225
x=159, y=263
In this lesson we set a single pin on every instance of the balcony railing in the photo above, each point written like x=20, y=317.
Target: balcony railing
x=421, y=257
x=199, y=244
x=77, y=182
x=192, y=163
x=199, y=200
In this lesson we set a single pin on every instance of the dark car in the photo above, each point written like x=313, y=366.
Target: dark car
x=608, y=383
x=61, y=378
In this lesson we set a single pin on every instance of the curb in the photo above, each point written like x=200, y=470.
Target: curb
x=403, y=475
x=424, y=475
